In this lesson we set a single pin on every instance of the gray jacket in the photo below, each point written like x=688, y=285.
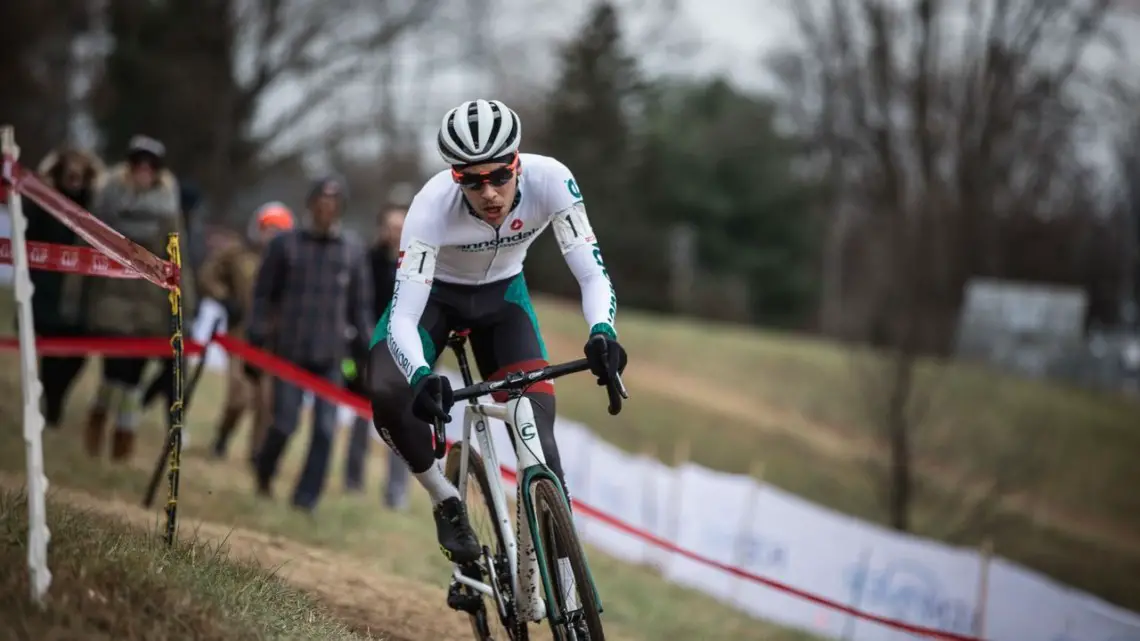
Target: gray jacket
x=137, y=307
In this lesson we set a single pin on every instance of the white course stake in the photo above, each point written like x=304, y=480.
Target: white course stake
x=30, y=384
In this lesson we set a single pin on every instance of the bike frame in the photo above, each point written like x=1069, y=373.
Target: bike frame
x=475, y=420
x=518, y=415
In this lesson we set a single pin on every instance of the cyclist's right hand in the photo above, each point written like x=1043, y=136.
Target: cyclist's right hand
x=432, y=399
x=606, y=357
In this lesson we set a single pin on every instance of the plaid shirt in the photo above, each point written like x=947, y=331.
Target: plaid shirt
x=311, y=294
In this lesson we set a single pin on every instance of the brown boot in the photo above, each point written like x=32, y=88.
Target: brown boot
x=93, y=436
x=122, y=445
x=226, y=426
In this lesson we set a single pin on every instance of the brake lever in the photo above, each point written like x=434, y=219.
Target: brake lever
x=620, y=385
x=615, y=389
x=439, y=438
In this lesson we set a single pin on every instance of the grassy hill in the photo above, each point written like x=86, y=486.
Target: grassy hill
x=1045, y=472
x=116, y=582
x=386, y=557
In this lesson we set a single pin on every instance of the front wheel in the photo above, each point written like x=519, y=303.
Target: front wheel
x=487, y=622
x=574, y=616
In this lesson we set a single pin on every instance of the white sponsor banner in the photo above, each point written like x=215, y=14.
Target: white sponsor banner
x=761, y=530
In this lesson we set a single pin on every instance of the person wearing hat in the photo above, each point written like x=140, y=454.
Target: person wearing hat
x=227, y=277
x=195, y=243
x=140, y=201
x=313, y=290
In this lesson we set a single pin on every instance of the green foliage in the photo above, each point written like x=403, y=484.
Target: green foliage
x=589, y=109
x=649, y=156
x=591, y=126
x=716, y=161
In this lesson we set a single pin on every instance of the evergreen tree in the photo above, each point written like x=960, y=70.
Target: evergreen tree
x=716, y=162
x=590, y=126
x=590, y=107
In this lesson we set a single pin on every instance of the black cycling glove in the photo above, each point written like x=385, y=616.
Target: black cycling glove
x=605, y=355
x=432, y=399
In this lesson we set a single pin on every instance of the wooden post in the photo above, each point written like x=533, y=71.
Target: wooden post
x=585, y=484
x=747, y=516
x=649, y=516
x=857, y=597
x=680, y=457
x=683, y=266
x=985, y=557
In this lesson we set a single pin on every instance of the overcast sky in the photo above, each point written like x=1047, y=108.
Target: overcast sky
x=726, y=37
x=729, y=37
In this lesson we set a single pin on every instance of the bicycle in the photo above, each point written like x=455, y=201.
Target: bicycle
x=549, y=548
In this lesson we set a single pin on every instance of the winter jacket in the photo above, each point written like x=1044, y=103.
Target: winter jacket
x=56, y=301
x=136, y=307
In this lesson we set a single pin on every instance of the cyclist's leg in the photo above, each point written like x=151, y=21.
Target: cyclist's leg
x=410, y=438
x=391, y=395
x=510, y=340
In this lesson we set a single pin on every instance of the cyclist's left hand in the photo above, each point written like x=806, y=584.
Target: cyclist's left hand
x=605, y=355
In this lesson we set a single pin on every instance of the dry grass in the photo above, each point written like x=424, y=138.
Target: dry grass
x=374, y=569
x=116, y=582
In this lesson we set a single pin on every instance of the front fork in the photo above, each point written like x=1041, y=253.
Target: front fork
x=532, y=467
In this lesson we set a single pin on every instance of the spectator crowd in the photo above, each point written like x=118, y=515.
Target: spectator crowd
x=299, y=286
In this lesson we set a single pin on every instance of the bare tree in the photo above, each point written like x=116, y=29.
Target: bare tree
x=322, y=47
x=236, y=87
x=936, y=123
x=37, y=61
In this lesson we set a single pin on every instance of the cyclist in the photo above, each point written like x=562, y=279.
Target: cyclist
x=460, y=267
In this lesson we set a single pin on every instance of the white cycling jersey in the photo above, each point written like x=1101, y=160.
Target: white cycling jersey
x=444, y=240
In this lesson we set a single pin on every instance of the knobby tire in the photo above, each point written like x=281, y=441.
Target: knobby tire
x=560, y=539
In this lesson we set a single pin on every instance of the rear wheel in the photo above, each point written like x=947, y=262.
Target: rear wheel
x=574, y=615
x=487, y=622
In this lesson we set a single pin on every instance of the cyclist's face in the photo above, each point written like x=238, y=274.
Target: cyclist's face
x=490, y=188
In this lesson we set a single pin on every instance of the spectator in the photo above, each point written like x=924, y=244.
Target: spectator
x=228, y=277
x=382, y=258
x=313, y=288
x=78, y=175
x=140, y=201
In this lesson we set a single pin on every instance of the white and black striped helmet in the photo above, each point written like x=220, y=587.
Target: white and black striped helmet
x=479, y=131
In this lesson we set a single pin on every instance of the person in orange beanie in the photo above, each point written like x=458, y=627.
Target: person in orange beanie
x=228, y=278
